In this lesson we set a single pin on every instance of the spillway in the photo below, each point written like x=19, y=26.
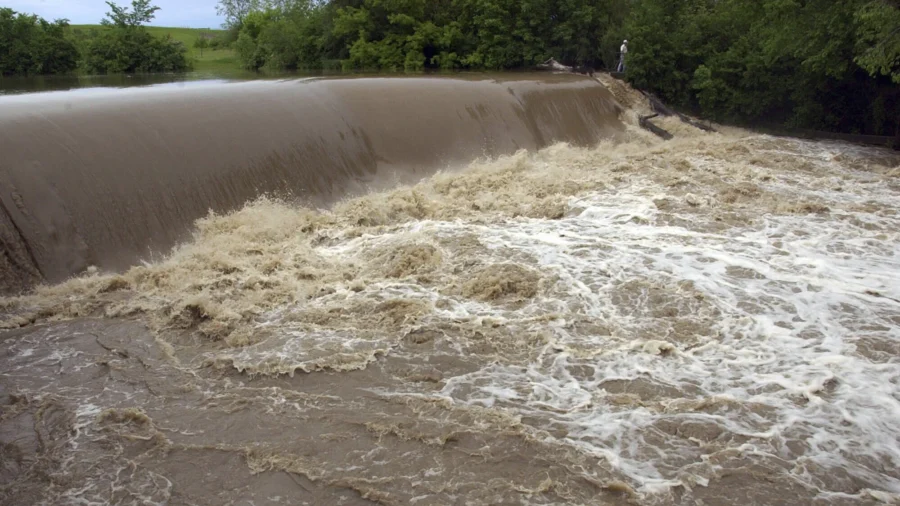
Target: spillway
x=111, y=177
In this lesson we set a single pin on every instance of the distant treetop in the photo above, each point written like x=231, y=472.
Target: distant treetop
x=141, y=13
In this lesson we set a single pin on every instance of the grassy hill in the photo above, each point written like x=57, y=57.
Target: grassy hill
x=222, y=60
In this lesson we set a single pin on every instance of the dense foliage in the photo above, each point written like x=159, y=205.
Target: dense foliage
x=30, y=45
x=418, y=34
x=123, y=45
x=818, y=64
x=132, y=51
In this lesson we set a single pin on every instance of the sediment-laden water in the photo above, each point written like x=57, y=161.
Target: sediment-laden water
x=112, y=177
x=709, y=320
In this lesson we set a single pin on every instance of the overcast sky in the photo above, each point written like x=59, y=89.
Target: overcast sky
x=192, y=13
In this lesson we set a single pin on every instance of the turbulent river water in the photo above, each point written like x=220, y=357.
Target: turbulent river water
x=710, y=320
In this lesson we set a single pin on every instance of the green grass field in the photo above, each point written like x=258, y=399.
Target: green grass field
x=219, y=61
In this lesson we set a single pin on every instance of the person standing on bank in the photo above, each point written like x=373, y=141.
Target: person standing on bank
x=622, y=52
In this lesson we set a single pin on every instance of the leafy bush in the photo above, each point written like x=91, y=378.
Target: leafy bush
x=31, y=45
x=132, y=51
x=125, y=46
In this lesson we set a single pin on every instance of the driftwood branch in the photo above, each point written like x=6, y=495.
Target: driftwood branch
x=644, y=121
x=554, y=65
x=659, y=107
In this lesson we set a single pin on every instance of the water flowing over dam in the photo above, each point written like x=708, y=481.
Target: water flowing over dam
x=105, y=178
x=577, y=313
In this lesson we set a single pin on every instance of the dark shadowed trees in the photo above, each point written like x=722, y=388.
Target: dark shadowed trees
x=815, y=64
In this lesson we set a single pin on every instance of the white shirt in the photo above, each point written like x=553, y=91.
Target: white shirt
x=624, y=48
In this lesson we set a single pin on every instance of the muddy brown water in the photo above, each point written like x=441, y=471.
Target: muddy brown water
x=613, y=320
x=106, y=178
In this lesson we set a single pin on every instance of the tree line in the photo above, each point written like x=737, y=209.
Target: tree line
x=30, y=45
x=818, y=64
x=414, y=35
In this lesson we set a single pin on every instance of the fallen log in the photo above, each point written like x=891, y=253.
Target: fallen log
x=659, y=107
x=554, y=65
x=644, y=121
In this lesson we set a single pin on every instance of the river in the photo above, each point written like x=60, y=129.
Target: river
x=607, y=319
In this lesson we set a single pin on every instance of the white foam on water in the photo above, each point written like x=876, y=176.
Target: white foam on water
x=784, y=305
x=758, y=341
x=772, y=358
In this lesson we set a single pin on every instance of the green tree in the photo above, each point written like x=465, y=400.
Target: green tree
x=420, y=34
x=125, y=46
x=32, y=45
x=814, y=63
x=878, y=38
x=201, y=43
x=287, y=36
x=236, y=10
x=141, y=13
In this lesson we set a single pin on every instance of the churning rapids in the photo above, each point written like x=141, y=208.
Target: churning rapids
x=710, y=320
